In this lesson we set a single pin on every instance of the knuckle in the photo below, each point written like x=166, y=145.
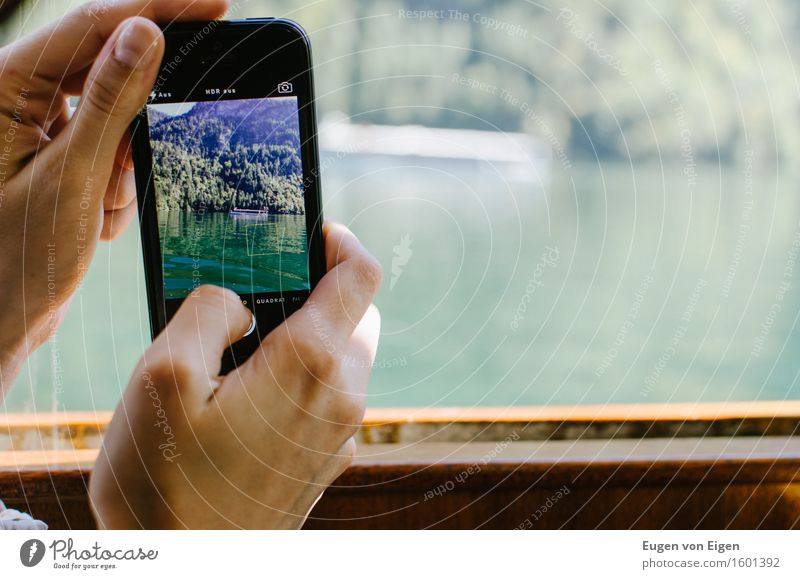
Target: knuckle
x=368, y=273
x=322, y=363
x=346, y=455
x=164, y=373
x=103, y=96
x=346, y=413
x=349, y=449
x=12, y=76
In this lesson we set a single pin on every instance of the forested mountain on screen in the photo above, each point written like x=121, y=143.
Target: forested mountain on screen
x=226, y=155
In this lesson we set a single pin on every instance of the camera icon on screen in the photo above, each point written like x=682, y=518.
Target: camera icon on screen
x=285, y=88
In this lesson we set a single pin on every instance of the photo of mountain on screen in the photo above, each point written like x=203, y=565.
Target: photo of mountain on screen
x=229, y=195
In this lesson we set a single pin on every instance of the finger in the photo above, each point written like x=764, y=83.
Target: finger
x=72, y=85
x=117, y=221
x=59, y=122
x=124, y=156
x=210, y=319
x=343, y=295
x=71, y=43
x=121, y=190
x=359, y=358
x=116, y=88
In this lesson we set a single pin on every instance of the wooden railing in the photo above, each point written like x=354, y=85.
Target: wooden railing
x=672, y=466
x=81, y=430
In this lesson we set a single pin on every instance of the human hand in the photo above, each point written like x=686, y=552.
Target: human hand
x=66, y=183
x=188, y=448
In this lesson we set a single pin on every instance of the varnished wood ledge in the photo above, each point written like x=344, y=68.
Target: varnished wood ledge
x=729, y=465
x=657, y=483
x=84, y=430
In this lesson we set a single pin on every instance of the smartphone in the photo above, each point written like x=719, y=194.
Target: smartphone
x=227, y=172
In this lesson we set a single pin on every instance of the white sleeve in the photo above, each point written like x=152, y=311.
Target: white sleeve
x=13, y=520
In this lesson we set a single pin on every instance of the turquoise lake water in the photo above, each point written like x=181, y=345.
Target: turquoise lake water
x=602, y=284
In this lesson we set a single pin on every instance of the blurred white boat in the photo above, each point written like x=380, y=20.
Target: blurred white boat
x=514, y=155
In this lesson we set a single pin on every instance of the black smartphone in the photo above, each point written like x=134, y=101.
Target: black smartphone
x=227, y=172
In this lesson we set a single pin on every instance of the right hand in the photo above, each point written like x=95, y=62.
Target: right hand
x=188, y=448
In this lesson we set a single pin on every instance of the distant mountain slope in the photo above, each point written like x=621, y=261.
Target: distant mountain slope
x=229, y=153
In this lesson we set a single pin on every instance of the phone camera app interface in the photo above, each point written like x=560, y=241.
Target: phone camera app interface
x=229, y=195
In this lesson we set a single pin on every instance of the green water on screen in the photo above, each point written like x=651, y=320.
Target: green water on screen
x=243, y=252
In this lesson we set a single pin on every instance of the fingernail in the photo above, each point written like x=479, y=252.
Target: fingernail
x=135, y=46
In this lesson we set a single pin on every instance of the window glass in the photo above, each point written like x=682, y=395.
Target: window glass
x=573, y=203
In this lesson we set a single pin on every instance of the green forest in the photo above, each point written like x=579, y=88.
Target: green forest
x=228, y=155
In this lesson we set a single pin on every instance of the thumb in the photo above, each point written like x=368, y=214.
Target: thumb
x=190, y=348
x=116, y=87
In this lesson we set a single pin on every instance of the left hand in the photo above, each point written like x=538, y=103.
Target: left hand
x=66, y=183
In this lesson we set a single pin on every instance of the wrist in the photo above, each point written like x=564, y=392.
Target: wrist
x=12, y=356
x=19, y=337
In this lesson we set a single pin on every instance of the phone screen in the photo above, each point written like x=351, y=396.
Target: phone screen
x=229, y=195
